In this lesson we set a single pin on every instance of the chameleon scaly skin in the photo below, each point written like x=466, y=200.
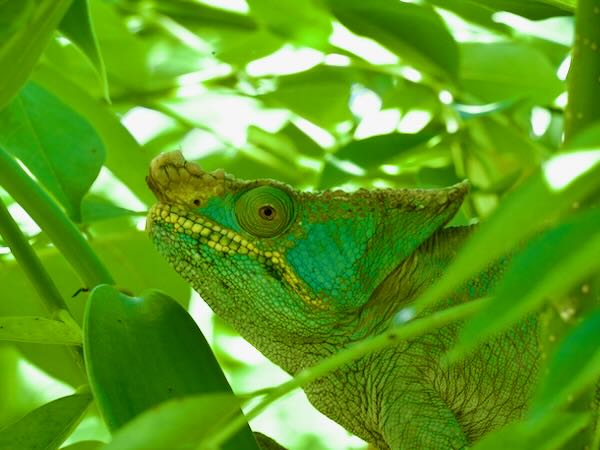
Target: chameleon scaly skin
x=301, y=275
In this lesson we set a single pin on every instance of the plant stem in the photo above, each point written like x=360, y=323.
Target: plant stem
x=47, y=214
x=393, y=335
x=39, y=278
x=583, y=107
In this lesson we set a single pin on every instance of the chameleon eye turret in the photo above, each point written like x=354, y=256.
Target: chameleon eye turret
x=264, y=211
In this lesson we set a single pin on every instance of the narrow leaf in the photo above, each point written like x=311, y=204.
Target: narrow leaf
x=46, y=427
x=21, y=48
x=38, y=330
x=527, y=436
x=77, y=26
x=573, y=367
x=547, y=267
x=549, y=194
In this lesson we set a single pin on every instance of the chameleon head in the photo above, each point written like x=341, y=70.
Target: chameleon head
x=299, y=264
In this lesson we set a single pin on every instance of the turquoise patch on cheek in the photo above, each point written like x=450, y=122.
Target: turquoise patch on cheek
x=221, y=210
x=326, y=259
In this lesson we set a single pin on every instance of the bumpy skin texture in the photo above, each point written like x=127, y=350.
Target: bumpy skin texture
x=302, y=275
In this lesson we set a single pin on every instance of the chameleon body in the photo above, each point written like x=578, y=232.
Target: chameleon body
x=301, y=275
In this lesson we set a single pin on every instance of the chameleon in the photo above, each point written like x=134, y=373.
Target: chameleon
x=302, y=275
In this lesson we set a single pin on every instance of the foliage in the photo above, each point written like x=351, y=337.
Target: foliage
x=318, y=94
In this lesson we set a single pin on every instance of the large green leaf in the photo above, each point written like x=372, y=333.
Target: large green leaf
x=548, y=267
x=175, y=424
x=131, y=257
x=21, y=44
x=38, y=330
x=141, y=351
x=46, y=427
x=56, y=144
x=77, y=26
x=533, y=9
x=124, y=156
x=496, y=71
x=414, y=32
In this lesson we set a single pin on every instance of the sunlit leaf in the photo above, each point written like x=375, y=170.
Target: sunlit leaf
x=497, y=71
x=414, y=32
x=56, y=144
x=301, y=21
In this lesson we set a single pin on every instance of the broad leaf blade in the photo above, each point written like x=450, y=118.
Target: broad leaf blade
x=56, y=144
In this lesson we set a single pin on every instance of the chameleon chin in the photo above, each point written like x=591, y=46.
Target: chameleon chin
x=301, y=275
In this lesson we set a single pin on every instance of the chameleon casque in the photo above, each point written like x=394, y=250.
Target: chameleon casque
x=301, y=275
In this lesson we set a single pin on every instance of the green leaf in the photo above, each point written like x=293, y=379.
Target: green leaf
x=124, y=156
x=551, y=435
x=416, y=33
x=38, y=330
x=21, y=49
x=573, y=367
x=548, y=267
x=497, y=71
x=301, y=21
x=472, y=11
x=56, y=144
x=84, y=445
x=141, y=351
x=320, y=95
x=95, y=208
x=46, y=427
x=543, y=199
x=376, y=150
x=77, y=26
x=176, y=424
x=131, y=257
x=533, y=9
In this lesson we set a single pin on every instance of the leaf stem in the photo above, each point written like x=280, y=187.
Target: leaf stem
x=39, y=278
x=584, y=74
x=48, y=215
x=393, y=335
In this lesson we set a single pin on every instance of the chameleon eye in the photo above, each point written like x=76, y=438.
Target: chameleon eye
x=264, y=211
